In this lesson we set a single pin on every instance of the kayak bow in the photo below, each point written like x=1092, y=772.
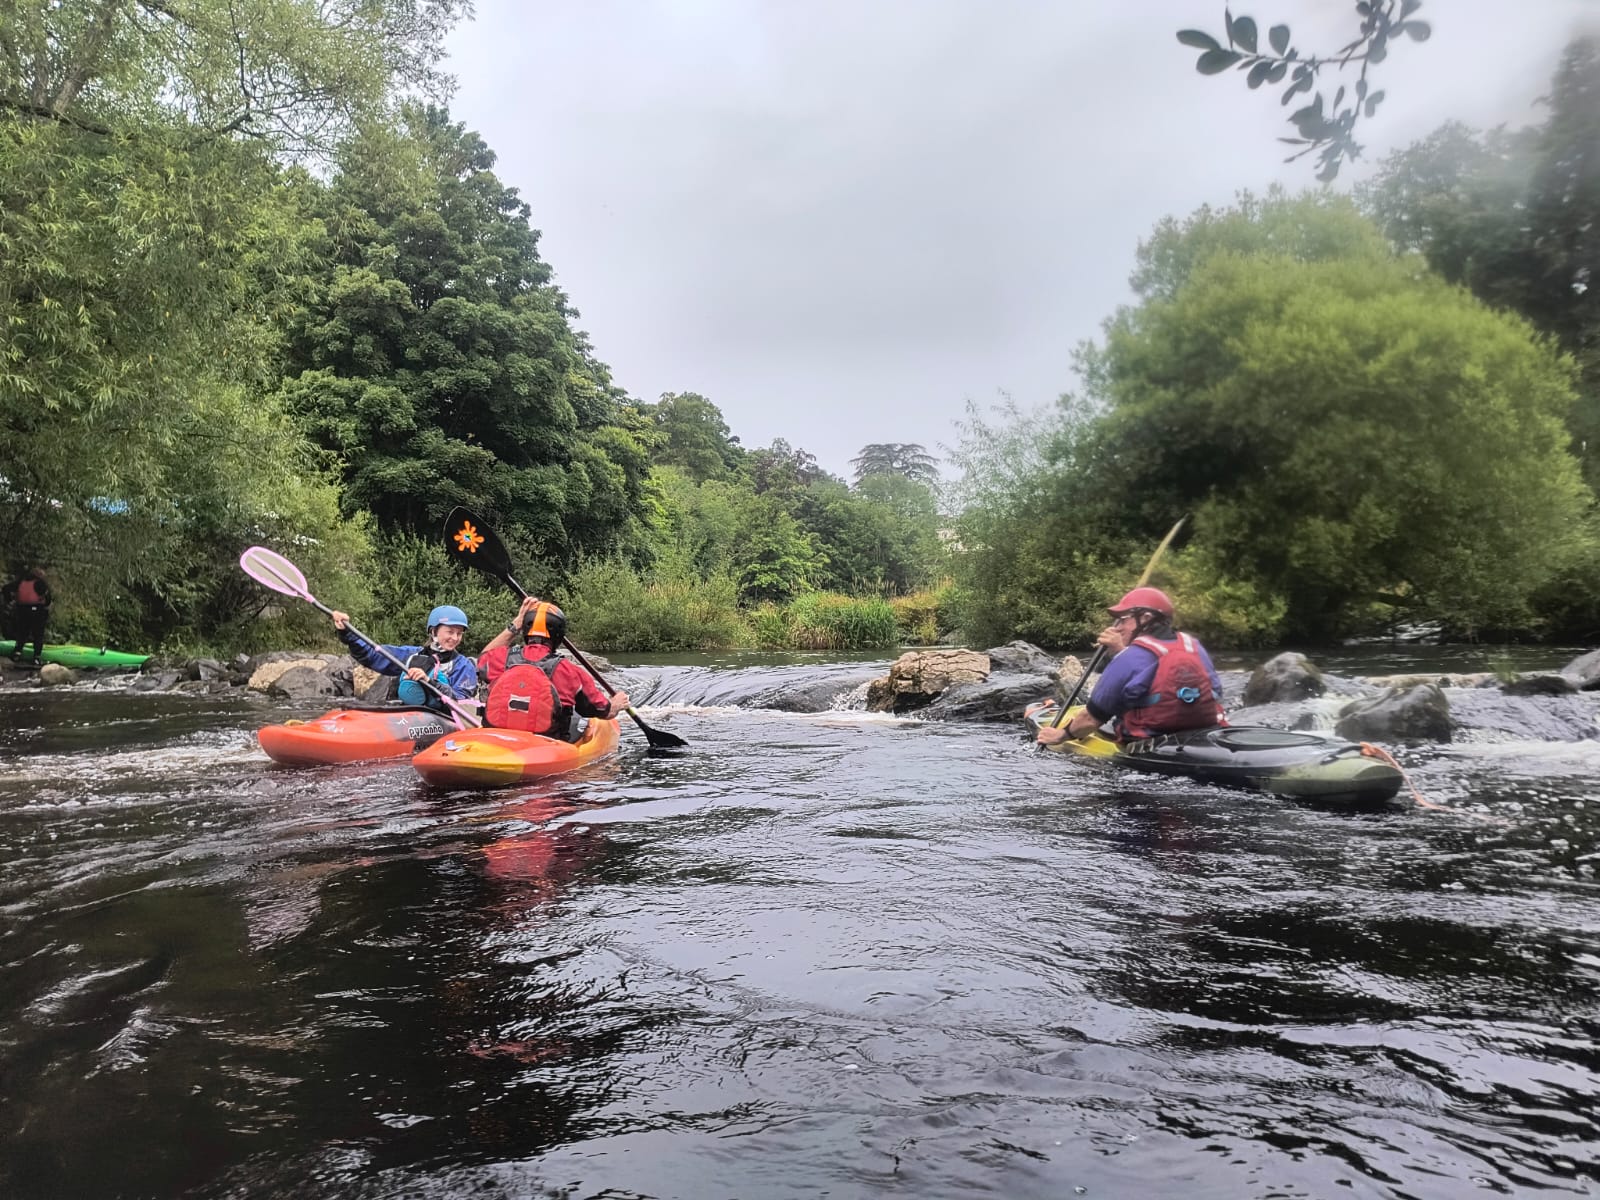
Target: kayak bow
x=497, y=757
x=348, y=735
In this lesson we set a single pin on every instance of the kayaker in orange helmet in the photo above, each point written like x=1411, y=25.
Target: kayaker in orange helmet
x=534, y=689
x=1158, y=680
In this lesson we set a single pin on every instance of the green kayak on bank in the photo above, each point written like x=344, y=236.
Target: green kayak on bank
x=69, y=655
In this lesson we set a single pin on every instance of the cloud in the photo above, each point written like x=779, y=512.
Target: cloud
x=841, y=220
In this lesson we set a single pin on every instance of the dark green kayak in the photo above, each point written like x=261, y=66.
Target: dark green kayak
x=69, y=655
x=1282, y=762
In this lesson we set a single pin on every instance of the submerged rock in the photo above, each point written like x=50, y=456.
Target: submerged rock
x=1420, y=713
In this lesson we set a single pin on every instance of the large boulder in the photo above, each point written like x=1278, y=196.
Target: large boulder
x=918, y=676
x=1417, y=714
x=1022, y=658
x=1289, y=677
x=1001, y=697
x=1585, y=670
x=204, y=669
x=305, y=681
x=54, y=674
x=362, y=679
x=269, y=669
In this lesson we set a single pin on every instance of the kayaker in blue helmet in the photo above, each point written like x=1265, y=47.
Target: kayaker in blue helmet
x=1158, y=680
x=453, y=673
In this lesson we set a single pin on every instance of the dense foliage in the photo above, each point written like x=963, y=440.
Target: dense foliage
x=256, y=286
x=1324, y=412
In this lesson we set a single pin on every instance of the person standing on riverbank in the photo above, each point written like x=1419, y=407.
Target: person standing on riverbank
x=30, y=594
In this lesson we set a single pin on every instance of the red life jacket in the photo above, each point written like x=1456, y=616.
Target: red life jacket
x=1180, y=695
x=28, y=593
x=524, y=697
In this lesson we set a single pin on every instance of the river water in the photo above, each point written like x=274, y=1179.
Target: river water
x=821, y=954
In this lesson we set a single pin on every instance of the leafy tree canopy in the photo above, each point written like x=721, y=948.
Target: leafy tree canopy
x=1325, y=421
x=1515, y=216
x=897, y=458
x=437, y=360
x=694, y=436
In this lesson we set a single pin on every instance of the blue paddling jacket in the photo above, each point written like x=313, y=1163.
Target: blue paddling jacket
x=460, y=672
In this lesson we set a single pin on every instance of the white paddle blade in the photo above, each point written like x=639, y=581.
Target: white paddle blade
x=273, y=570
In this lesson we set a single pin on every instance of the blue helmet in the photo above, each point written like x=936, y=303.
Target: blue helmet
x=446, y=614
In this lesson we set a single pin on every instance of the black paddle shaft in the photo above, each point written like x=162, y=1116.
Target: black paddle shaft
x=470, y=541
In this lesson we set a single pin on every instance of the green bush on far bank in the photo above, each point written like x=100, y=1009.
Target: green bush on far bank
x=613, y=607
x=925, y=617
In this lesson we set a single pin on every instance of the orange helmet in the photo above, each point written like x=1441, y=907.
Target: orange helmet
x=1151, y=598
x=548, y=622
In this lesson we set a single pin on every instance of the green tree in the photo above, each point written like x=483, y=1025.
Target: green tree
x=1515, y=216
x=897, y=458
x=1324, y=418
x=694, y=436
x=144, y=261
x=438, y=361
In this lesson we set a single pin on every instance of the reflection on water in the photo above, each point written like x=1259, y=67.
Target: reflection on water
x=820, y=954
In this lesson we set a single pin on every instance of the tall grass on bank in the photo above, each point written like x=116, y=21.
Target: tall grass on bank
x=612, y=607
x=828, y=621
x=925, y=617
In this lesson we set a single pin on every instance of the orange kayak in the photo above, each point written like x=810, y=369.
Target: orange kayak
x=353, y=735
x=497, y=757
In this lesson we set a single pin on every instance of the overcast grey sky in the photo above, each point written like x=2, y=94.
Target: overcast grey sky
x=841, y=219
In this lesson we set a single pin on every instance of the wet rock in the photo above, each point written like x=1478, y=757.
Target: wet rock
x=204, y=669
x=1001, y=697
x=1288, y=677
x=1539, y=685
x=380, y=688
x=1450, y=679
x=268, y=672
x=817, y=695
x=304, y=681
x=1023, y=658
x=1564, y=718
x=918, y=676
x=1419, y=713
x=362, y=679
x=1585, y=670
x=54, y=675
x=158, y=682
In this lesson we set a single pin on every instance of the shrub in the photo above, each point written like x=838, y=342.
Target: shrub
x=926, y=616
x=613, y=607
x=828, y=621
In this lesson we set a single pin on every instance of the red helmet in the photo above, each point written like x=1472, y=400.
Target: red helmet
x=1144, y=597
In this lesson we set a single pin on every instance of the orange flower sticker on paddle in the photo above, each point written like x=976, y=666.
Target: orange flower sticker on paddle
x=468, y=539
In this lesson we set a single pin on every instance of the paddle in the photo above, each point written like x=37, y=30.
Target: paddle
x=1100, y=651
x=274, y=571
x=472, y=543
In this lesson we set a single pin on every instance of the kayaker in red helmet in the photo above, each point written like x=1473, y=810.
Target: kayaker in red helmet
x=1158, y=680
x=532, y=689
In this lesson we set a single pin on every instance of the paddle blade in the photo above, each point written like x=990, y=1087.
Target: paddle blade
x=470, y=542
x=273, y=570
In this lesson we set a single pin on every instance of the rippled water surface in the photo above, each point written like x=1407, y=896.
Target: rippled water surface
x=825, y=954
